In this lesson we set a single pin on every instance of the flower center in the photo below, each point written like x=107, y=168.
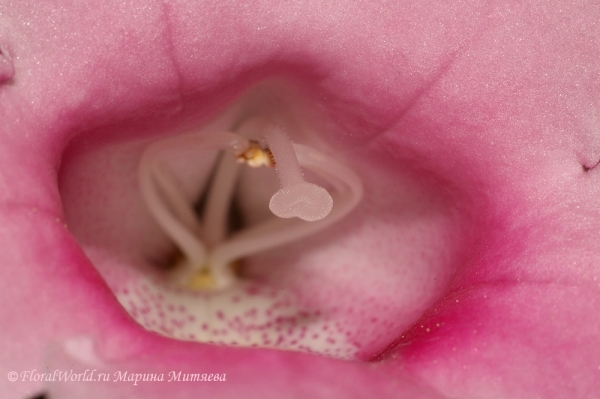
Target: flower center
x=208, y=248
x=201, y=296
x=199, y=241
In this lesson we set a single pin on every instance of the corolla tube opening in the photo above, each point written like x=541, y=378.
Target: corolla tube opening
x=208, y=253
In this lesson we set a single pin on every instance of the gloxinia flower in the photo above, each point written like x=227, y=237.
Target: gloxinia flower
x=468, y=270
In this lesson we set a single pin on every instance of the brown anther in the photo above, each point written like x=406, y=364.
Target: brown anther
x=256, y=156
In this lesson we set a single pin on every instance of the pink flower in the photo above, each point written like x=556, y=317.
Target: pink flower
x=469, y=270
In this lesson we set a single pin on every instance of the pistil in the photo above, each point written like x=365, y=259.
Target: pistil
x=297, y=197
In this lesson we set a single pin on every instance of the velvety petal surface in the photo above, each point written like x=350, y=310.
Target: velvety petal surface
x=485, y=114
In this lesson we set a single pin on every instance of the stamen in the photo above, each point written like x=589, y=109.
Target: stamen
x=218, y=203
x=297, y=197
x=183, y=237
x=183, y=234
x=276, y=232
x=208, y=260
x=179, y=204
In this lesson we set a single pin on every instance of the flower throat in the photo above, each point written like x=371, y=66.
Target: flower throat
x=301, y=208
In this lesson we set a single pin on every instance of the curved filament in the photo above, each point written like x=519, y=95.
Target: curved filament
x=276, y=232
x=183, y=234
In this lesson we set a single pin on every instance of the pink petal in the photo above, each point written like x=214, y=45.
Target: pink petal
x=493, y=106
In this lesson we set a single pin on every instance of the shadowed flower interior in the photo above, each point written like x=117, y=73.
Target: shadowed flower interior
x=183, y=231
x=207, y=249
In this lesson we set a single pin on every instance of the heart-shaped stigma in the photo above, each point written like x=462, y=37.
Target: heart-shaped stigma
x=297, y=197
x=306, y=201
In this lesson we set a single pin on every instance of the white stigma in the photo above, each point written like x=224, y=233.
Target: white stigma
x=297, y=197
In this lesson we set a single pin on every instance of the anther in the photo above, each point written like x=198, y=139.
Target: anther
x=256, y=156
x=297, y=197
